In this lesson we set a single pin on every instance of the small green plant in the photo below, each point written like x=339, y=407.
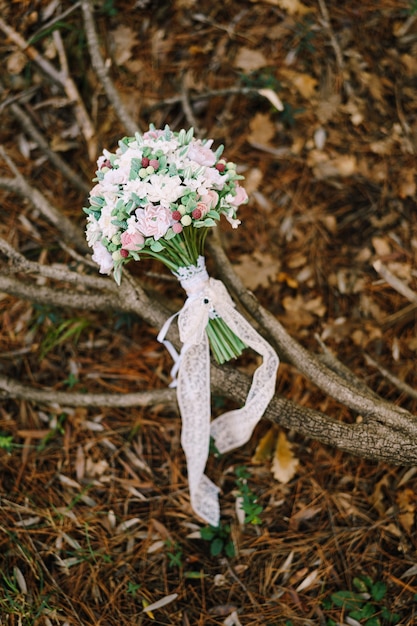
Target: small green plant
x=249, y=500
x=65, y=331
x=133, y=588
x=174, y=553
x=365, y=605
x=220, y=540
x=6, y=443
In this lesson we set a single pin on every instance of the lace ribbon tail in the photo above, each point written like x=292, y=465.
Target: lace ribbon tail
x=193, y=394
x=234, y=428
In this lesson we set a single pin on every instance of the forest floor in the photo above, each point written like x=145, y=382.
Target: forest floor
x=316, y=102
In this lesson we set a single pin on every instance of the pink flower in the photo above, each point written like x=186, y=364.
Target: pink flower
x=240, y=197
x=204, y=208
x=201, y=154
x=132, y=241
x=210, y=198
x=153, y=221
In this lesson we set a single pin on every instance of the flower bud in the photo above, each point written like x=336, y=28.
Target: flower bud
x=186, y=220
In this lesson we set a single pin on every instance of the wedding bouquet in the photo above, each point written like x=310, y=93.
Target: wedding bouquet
x=157, y=196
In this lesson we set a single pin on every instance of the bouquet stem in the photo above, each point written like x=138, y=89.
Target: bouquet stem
x=224, y=344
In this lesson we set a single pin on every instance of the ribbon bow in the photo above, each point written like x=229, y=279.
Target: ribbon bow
x=208, y=297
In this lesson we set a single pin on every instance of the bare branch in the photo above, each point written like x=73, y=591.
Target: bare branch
x=54, y=158
x=10, y=388
x=61, y=77
x=63, y=225
x=394, y=380
x=101, y=70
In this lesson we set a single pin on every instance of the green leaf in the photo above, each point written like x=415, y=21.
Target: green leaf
x=156, y=246
x=368, y=610
x=347, y=599
x=230, y=549
x=378, y=590
x=216, y=546
x=374, y=621
x=360, y=585
x=207, y=533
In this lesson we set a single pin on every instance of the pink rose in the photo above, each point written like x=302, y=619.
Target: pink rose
x=132, y=241
x=210, y=199
x=203, y=208
x=240, y=197
x=201, y=154
x=153, y=221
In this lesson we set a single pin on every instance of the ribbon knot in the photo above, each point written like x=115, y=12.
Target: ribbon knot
x=208, y=297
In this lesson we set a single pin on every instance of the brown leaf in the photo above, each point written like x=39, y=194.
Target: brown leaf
x=265, y=447
x=249, y=60
x=284, y=464
x=262, y=130
x=406, y=501
x=257, y=269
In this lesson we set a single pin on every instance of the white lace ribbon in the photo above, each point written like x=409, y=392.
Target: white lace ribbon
x=208, y=297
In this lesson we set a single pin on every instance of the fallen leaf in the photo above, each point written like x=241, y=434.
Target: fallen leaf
x=124, y=38
x=265, y=447
x=273, y=98
x=308, y=580
x=284, y=464
x=261, y=128
x=406, y=501
x=250, y=60
x=303, y=83
x=257, y=269
x=160, y=603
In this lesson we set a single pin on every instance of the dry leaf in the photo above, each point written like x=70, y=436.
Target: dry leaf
x=308, y=580
x=261, y=128
x=265, y=447
x=124, y=38
x=273, y=98
x=257, y=269
x=284, y=464
x=303, y=83
x=250, y=60
x=407, y=508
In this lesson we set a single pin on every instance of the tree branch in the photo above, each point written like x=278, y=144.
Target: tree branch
x=101, y=70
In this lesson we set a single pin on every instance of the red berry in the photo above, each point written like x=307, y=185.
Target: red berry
x=176, y=215
x=196, y=214
x=220, y=167
x=145, y=161
x=124, y=253
x=154, y=163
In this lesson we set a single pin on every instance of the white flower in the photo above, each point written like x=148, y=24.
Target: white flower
x=107, y=228
x=164, y=189
x=213, y=178
x=102, y=257
x=93, y=230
